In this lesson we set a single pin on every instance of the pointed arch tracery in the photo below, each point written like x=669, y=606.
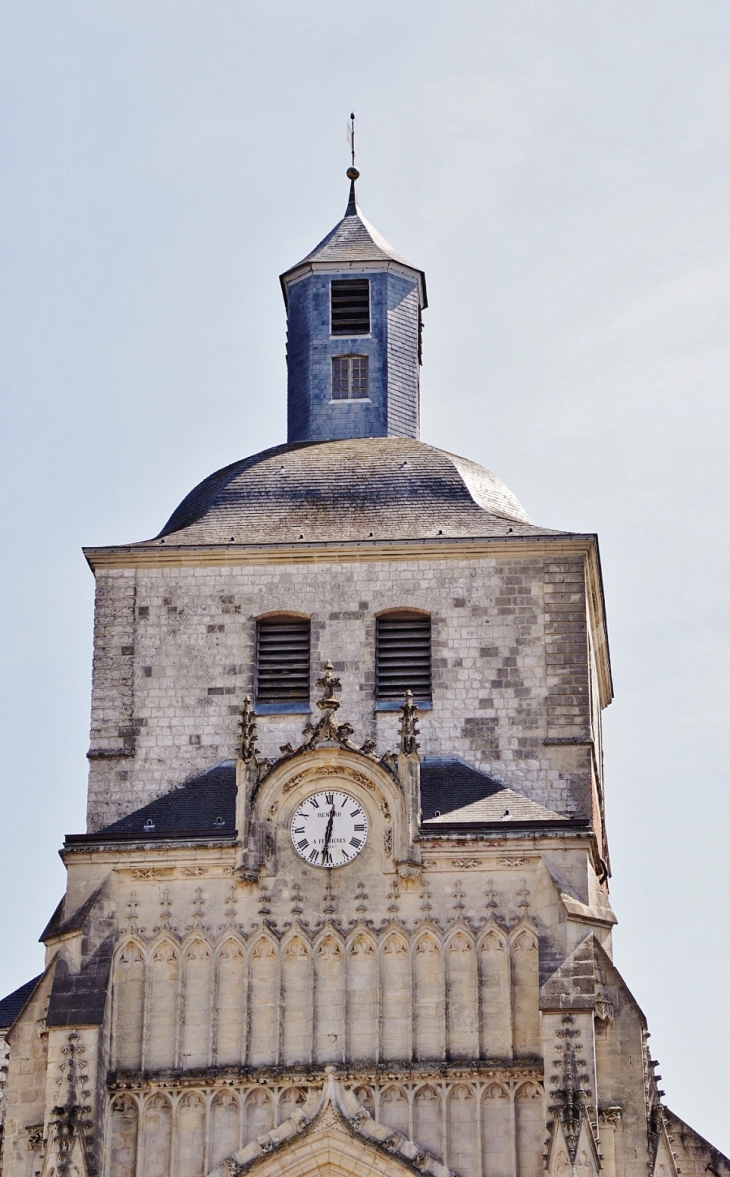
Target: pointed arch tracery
x=128, y=1000
x=363, y=1009
x=230, y=1002
x=525, y=990
x=329, y=999
x=396, y=997
x=124, y=1131
x=495, y=994
x=429, y=997
x=197, y=987
x=428, y=1119
x=225, y=1121
x=394, y=1109
x=296, y=970
x=162, y=1006
x=263, y=997
x=462, y=1013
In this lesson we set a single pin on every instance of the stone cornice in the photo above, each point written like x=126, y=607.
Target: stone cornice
x=219, y=857
x=389, y=1071
x=160, y=553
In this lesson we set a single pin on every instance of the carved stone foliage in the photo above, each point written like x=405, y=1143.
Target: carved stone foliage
x=248, y=747
x=570, y=1087
x=409, y=726
x=326, y=993
x=326, y=731
x=71, y=1126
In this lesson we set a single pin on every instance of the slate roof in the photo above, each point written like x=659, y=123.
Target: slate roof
x=382, y=488
x=205, y=808
x=352, y=240
x=79, y=998
x=14, y=1004
x=453, y=792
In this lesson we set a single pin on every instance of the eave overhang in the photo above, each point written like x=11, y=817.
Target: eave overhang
x=360, y=267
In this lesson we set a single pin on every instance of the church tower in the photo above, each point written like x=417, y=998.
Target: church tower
x=342, y=903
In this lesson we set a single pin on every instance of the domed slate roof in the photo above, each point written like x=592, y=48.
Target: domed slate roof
x=357, y=489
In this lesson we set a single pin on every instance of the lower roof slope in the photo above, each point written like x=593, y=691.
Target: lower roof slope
x=14, y=1004
x=452, y=794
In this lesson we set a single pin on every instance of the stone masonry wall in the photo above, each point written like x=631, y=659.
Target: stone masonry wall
x=174, y=658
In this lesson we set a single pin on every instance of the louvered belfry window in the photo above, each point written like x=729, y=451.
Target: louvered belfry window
x=403, y=655
x=282, y=660
x=350, y=306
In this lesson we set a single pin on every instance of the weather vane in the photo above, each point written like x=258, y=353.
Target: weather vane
x=352, y=172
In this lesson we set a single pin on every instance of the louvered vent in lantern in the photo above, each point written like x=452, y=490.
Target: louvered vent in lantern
x=403, y=655
x=282, y=660
x=350, y=306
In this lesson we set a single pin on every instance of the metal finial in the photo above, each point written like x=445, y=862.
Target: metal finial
x=351, y=142
x=352, y=172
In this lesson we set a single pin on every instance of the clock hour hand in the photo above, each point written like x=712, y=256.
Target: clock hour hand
x=328, y=835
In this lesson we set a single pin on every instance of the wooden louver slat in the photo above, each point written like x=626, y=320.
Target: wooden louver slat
x=403, y=655
x=282, y=660
x=350, y=306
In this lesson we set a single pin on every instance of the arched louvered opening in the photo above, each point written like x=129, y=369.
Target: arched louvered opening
x=350, y=306
x=282, y=660
x=403, y=655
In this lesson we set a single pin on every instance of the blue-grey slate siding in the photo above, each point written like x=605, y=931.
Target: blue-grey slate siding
x=391, y=410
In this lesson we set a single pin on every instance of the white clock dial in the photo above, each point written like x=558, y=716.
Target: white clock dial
x=329, y=829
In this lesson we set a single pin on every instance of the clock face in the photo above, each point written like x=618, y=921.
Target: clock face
x=329, y=829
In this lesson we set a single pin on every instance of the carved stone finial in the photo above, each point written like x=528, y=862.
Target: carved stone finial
x=409, y=725
x=248, y=746
x=569, y=1093
x=394, y=896
x=328, y=684
x=297, y=906
x=329, y=896
x=327, y=730
x=524, y=900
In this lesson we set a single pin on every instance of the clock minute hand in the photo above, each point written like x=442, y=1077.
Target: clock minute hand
x=328, y=835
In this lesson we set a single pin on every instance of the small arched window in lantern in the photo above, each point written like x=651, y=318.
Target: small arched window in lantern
x=350, y=378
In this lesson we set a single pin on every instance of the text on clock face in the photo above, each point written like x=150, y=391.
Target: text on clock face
x=329, y=829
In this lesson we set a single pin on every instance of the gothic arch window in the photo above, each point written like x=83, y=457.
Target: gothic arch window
x=282, y=661
x=403, y=655
x=350, y=378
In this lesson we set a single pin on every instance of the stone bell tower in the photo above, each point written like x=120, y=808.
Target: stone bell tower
x=342, y=903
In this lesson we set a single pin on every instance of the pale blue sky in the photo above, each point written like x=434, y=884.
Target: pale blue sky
x=562, y=173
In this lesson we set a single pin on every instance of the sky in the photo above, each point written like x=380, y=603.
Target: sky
x=561, y=172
